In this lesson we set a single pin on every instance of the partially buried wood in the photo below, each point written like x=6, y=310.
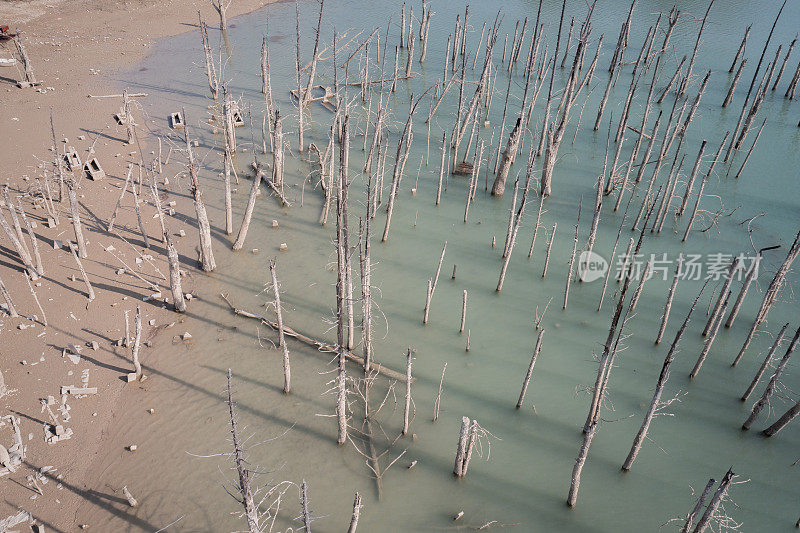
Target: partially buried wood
x=128, y=496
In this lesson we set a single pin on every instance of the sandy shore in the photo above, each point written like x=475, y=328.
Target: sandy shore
x=74, y=47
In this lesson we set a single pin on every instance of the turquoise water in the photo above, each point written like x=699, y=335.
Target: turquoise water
x=526, y=477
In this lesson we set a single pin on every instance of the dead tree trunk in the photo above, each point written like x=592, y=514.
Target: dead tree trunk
x=433, y=286
x=783, y=421
x=287, y=371
x=702, y=187
x=407, y=409
x=248, y=212
x=227, y=159
x=10, y=308
x=26, y=62
x=723, y=295
x=572, y=257
x=403, y=149
x=670, y=298
x=341, y=262
x=211, y=69
x=656, y=402
x=174, y=275
x=76, y=221
x=557, y=130
x=752, y=84
x=690, y=518
x=466, y=442
x=528, y=375
x=686, y=78
x=771, y=295
x=206, y=253
x=357, y=506
x=89, y=289
x=751, y=275
x=549, y=247
x=516, y=222
x=705, y=520
x=499, y=185
x=735, y=82
x=366, y=283
x=20, y=249
x=773, y=383
x=245, y=490
x=765, y=364
x=710, y=340
x=137, y=366
x=740, y=49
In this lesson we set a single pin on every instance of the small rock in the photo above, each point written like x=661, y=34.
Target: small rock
x=186, y=336
x=255, y=250
x=284, y=247
x=275, y=224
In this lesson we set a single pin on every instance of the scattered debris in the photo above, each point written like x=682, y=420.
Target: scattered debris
x=93, y=170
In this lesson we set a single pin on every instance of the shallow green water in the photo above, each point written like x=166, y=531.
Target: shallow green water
x=526, y=478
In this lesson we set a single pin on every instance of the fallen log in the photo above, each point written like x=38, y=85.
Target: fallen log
x=323, y=347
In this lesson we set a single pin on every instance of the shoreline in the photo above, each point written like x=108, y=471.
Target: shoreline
x=71, y=67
